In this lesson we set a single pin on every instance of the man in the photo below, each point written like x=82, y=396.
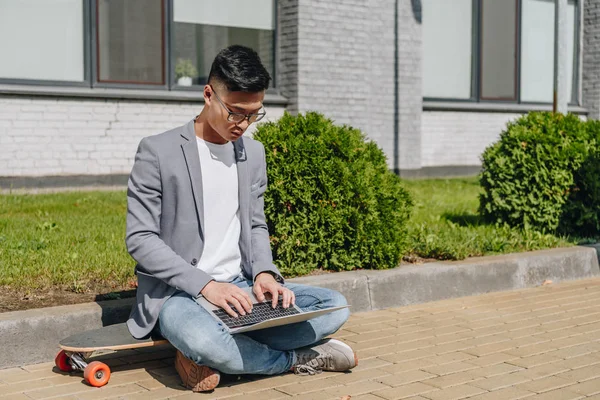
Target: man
x=196, y=226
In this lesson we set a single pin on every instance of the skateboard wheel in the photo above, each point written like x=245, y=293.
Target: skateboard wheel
x=62, y=362
x=96, y=373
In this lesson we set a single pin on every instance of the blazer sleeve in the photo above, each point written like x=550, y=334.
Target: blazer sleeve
x=144, y=204
x=261, y=246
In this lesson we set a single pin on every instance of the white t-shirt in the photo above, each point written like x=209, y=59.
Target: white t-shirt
x=221, y=257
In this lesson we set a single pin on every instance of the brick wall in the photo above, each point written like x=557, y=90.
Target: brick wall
x=458, y=138
x=591, y=57
x=339, y=57
x=287, y=51
x=40, y=137
x=410, y=96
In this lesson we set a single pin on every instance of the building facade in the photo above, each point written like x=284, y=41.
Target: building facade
x=432, y=82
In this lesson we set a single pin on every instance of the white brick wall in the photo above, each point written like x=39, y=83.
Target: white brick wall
x=458, y=138
x=46, y=136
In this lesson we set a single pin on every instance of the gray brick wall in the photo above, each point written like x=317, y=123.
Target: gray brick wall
x=410, y=77
x=591, y=57
x=287, y=51
x=42, y=137
x=338, y=57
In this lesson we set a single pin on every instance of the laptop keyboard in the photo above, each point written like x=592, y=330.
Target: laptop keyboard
x=260, y=312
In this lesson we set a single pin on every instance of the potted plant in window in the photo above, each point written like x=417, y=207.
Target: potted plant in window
x=184, y=71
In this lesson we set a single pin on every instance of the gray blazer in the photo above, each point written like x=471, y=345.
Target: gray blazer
x=165, y=219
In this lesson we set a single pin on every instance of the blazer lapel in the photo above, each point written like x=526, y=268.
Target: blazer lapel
x=244, y=195
x=192, y=160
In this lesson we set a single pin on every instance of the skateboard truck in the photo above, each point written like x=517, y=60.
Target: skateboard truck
x=95, y=373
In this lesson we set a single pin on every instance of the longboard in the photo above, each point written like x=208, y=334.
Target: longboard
x=76, y=349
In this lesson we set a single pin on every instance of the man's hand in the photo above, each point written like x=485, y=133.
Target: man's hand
x=226, y=294
x=266, y=283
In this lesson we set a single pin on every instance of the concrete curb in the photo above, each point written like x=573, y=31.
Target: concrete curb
x=31, y=336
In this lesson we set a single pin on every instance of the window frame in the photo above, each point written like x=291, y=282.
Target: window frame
x=476, y=61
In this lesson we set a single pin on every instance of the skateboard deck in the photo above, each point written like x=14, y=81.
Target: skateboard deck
x=76, y=349
x=113, y=337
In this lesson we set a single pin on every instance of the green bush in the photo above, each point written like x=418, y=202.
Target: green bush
x=529, y=174
x=332, y=203
x=581, y=214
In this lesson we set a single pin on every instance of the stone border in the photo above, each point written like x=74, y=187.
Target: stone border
x=31, y=336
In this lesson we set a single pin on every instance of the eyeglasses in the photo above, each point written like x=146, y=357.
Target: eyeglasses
x=239, y=117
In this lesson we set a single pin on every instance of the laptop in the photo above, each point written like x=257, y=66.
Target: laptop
x=263, y=314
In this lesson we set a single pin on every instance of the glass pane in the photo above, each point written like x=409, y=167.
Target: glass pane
x=202, y=29
x=537, y=50
x=498, y=49
x=447, y=48
x=130, y=41
x=255, y=14
x=199, y=44
x=42, y=39
x=572, y=44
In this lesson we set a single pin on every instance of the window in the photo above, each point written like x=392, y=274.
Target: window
x=128, y=43
x=42, y=40
x=202, y=28
x=490, y=50
x=498, y=49
x=537, y=50
x=447, y=36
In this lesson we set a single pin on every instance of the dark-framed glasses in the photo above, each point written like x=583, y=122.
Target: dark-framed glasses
x=239, y=117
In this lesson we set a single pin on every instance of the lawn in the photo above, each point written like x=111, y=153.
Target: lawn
x=75, y=241
x=445, y=224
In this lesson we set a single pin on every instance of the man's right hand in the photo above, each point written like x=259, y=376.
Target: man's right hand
x=226, y=295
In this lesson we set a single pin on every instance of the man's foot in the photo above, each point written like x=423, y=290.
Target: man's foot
x=327, y=355
x=199, y=378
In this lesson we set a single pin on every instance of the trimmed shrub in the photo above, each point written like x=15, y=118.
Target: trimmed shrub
x=581, y=215
x=528, y=175
x=332, y=202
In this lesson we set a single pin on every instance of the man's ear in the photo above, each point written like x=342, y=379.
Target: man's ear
x=207, y=94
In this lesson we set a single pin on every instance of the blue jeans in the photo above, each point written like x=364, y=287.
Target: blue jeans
x=194, y=332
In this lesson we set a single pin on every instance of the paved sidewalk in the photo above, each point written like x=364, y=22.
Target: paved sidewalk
x=541, y=343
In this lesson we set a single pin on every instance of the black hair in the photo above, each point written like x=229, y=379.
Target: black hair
x=239, y=68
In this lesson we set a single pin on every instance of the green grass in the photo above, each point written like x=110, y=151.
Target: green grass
x=446, y=226
x=71, y=240
x=75, y=241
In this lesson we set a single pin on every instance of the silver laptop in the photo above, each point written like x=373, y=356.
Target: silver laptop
x=263, y=314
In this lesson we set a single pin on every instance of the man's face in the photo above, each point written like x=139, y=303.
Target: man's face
x=222, y=102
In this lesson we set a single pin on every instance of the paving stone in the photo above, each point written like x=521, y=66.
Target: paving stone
x=510, y=393
x=269, y=394
x=500, y=381
x=532, y=361
x=456, y=379
x=581, y=374
x=545, y=384
x=355, y=389
x=403, y=391
x=455, y=393
x=586, y=388
x=560, y=394
x=404, y=378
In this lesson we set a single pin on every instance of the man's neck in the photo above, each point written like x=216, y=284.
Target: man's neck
x=204, y=131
